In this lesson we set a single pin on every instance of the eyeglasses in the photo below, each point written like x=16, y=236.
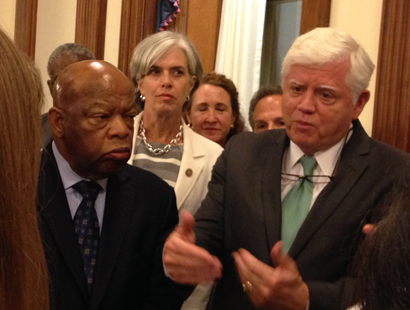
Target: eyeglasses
x=315, y=179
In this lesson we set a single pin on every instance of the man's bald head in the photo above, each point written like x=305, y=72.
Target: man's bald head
x=92, y=117
x=86, y=78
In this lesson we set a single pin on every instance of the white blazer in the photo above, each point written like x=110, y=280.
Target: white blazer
x=197, y=161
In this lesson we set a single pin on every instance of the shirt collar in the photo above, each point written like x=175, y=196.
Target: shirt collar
x=68, y=176
x=326, y=160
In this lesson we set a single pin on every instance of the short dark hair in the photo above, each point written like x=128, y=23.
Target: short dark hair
x=67, y=49
x=261, y=93
x=220, y=80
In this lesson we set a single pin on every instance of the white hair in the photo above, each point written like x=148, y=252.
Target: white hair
x=153, y=47
x=323, y=46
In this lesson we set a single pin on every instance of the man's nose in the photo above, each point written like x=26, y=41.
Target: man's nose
x=272, y=125
x=307, y=102
x=119, y=128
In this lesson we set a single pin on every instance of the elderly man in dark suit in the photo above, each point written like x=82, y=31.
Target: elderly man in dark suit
x=103, y=223
x=285, y=209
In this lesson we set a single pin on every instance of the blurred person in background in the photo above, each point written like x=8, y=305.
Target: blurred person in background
x=213, y=110
x=265, y=109
x=23, y=271
x=382, y=265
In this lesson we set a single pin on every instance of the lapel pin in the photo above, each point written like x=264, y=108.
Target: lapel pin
x=188, y=172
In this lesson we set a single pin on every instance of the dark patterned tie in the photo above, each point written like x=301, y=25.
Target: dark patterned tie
x=87, y=227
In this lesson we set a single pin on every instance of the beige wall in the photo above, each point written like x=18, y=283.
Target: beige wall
x=56, y=26
x=112, y=34
x=7, y=15
x=362, y=20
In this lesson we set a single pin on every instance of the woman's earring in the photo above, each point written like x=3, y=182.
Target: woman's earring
x=188, y=98
x=142, y=98
x=189, y=125
x=232, y=125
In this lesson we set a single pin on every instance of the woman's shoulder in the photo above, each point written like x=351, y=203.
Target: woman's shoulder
x=198, y=141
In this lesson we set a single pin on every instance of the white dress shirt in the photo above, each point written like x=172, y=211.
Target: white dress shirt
x=74, y=198
x=326, y=163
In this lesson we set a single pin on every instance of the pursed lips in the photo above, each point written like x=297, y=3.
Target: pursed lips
x=119, y=153
x=166, y=96
x=303, y=125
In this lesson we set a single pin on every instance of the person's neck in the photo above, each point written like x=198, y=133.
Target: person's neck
x=161, y=128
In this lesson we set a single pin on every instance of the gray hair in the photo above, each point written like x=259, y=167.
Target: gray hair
x=67, y=49
x=261, y=93
x=155, y=46
x=323, y=46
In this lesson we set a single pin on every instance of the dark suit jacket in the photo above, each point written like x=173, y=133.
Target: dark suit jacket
x=47, y=133
x=140, y=212
x=243, y=210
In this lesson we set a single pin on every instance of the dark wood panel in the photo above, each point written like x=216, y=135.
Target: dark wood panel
x=392, y=101
x=26, y=26
x=90, y=25
x=181, y=21
x=137, y=21
x=315, y=13
x=203, y=29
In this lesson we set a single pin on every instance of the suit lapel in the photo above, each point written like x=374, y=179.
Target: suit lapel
x=54, y=210
x=117, y=213
x=353, y=163
x=271, y=188
x=192, y=163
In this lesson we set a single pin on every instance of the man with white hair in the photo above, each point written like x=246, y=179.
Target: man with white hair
x=285, y=209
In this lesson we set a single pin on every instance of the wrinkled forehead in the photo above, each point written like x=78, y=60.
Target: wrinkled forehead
x=75, y=84
x=269, y=104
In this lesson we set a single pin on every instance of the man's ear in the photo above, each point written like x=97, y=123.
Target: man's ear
x=50, y=86
x=56, y=121
x=360, y=103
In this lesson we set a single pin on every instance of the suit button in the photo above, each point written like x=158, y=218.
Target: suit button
x=188, y=172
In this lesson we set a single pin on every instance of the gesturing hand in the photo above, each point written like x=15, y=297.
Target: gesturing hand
x=185, y=262
x=273, y=288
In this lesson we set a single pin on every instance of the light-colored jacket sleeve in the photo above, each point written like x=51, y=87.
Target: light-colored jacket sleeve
x=198, y=159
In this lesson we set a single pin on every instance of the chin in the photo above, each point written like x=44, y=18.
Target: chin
x=111, y=168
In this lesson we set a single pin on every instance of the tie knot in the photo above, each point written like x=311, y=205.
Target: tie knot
x=308, y=164
x=88, y=189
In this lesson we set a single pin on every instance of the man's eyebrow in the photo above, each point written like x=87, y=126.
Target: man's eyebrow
x=295, y=81
x=327, y=87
